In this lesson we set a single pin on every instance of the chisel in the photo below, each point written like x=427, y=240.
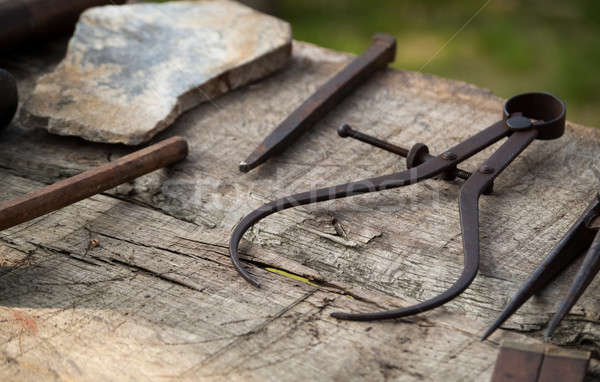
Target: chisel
x=381, y=52
x=92, y=182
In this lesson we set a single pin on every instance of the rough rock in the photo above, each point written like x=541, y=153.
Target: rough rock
x=131, y=70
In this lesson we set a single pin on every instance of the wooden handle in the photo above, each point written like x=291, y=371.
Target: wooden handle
x=25, y=20
x=92, y=182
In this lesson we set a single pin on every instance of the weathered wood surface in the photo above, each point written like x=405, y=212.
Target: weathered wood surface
x=136, y=284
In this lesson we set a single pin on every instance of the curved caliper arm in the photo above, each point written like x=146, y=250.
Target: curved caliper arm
x=469, y=202
x=469, y=218
x=426, y=170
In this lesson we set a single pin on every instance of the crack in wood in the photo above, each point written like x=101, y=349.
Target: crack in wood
x=254, y=331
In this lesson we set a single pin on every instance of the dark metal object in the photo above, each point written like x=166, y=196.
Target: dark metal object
x=27, y=20
x=92, y=182
x=547, y=111
x=583, y=235
x=9, y=97
x=376, y=57
x=538, y=363
x=418, y=154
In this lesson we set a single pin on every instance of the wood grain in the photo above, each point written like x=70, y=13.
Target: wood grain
x=136, y=284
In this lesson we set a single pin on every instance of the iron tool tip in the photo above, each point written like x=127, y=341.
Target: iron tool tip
x=506, y=313
x=552, y=326
x=489, y=332
x=244, y=167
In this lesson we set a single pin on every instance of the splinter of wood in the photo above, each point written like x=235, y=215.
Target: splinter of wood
x=92, y=182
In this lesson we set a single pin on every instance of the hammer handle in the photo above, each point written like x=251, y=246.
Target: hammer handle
x=92, y=182
x=25, y=20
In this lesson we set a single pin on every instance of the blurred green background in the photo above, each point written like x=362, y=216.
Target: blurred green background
x=509, y=47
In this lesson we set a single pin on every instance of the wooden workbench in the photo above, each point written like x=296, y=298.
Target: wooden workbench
x=136, y=284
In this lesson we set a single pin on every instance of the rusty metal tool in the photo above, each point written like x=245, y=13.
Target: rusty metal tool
x=28, y=20
x=418, y=153
x=583, y=235
x=9, y=97
x=92, y=182
x=539, y=363
x=526, y=117
x=381, y=52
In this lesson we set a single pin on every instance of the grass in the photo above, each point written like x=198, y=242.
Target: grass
x=510, y=47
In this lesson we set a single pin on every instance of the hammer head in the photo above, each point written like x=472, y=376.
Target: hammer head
x=9, y=97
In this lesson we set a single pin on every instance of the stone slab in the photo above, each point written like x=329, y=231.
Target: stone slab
x=131, y=70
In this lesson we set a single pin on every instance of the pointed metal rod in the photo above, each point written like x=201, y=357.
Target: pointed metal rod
x=587, y=272
x=574, y=242
x=381, y=52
